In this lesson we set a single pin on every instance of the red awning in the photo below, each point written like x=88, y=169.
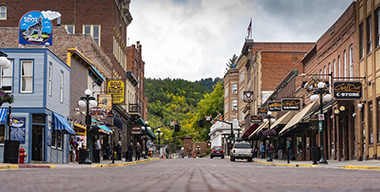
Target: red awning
x=250, y=130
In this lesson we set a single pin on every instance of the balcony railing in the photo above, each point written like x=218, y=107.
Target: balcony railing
x=135, y=109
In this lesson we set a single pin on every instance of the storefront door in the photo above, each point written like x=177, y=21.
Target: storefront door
x=37, y=142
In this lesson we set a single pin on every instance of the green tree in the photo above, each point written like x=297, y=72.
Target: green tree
x=232, y=62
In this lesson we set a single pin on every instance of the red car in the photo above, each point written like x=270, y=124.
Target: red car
x=217, y=151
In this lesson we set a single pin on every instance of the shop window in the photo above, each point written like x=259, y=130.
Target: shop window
x=59, y=139
x=2, y=134
x=370, y=122
x=53, y=138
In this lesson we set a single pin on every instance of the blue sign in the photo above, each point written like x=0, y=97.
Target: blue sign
x=35, y=28
x=18, y=129
x=49, y=131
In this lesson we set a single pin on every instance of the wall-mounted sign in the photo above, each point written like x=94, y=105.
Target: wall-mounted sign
x=18, y=129
x=136, y=130
x=274, y=106
x=105, y=101
x=98, y=113
x=117, y=89
x=262, y=111
x=265, y=95
x=347, y=90
x=256, y=119
x=35, y=28
x=291, y=104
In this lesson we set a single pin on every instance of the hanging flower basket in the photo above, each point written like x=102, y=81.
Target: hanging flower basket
x=5, y=97
x=269, y=132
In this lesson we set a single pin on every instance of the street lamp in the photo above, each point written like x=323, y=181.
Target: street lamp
x=145, y=128
x=317, y=94
x=159, y=133
x=4, y=61
x=88, y=101
x=198, y=149
x=270, y=119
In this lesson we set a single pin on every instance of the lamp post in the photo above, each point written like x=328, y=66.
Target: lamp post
x=159, y=133
x=145, y=130
x=6, y=63
x=88, y=101
x=317, y=94
x=198, y=149
x=270, y=119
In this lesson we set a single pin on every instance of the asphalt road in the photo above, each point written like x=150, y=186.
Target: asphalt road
x=190, y=175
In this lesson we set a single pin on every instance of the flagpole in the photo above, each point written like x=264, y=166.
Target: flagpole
x=251, y=29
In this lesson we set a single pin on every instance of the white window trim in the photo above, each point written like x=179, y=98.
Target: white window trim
x=67, y=28
x=7, y=76
x=61, y=87
x=92, y=31
x=24, y=76
x=50, y=79
x=6, y=12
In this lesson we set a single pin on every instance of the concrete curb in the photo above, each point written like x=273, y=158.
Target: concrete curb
x=127, y=163
x=8, y=167
x=361, y=167
x=20, y=166
x=284, y=164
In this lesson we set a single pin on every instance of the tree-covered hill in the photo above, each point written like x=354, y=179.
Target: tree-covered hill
x=209, y=83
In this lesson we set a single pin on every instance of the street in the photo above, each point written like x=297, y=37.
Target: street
x=203, y=174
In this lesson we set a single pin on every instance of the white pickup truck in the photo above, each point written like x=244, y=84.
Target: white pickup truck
x=241, y=150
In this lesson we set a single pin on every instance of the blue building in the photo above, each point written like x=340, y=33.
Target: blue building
x=40, y=84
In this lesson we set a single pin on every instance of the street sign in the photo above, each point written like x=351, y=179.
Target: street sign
x=320, y=126
x=321, y=117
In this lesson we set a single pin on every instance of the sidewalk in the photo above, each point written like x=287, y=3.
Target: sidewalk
x=104, y=163
x=353, y=164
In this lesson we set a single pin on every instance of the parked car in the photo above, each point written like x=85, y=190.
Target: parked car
x=241, y=150
x=217, y=151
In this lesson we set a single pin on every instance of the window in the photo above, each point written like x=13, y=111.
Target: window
x=59, y=139
x=351, y=60
x=2, y=134
x=61, y=88
x=53, y=138
x=345, y=63
x=26, y=76
x=361, y=41
x=7, y=77
x=241, y=94
x=378, y=119
x=70, y=28
x=119, y=54
x=370, y=122
x=242, y=76
x=234, y=105
x=377, y=24
x=234, y=88
x=369, y=34
x=94, y=31
x=226, y=92
x=50, y=77
x=324, y=71
x=3, y=13
x=226, y=107
x=334, y=63
x=339, y=66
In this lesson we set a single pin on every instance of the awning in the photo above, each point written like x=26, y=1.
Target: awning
x=297, y=118
x=140, y=121
x=283, y=119
x=103, y=129
x=257, y=131
x=3, y=115
x=250, y=130
x=61, y=123
x=317, y=109
x=152, y=135
x=118, y=123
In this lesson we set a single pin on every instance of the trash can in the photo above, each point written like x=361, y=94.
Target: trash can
x=82, y=156
x=11, y=152
x=316, y=153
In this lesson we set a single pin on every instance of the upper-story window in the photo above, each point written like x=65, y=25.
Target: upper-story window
x=7, y=77
x=26, y=83
x=369, y=34
x=70, y=28
x=3, y=13
x=226, y=92
x=94, y=31
x=377, y=24
x=61, y=88
x=234, y=88
x=242, y=76
x=361, y=41
x=345, y=63
x=234, y=105
x=50, y=78
x=351, y=60
x=226, y=107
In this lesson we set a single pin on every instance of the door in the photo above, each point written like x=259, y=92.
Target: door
x=37, y=141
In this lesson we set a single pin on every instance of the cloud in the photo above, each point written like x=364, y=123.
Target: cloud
x=194, y=39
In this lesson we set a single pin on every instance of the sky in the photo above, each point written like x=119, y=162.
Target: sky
x=194, y=39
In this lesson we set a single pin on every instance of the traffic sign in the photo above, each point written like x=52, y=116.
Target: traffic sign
x=320, y=126
x=321, y=117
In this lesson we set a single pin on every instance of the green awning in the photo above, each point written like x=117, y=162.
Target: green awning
x=140, y=121
x=150, y=132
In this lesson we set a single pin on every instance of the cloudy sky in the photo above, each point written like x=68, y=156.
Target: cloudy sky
x=194, y=39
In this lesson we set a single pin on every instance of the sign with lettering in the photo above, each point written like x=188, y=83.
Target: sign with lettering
x=116, y=88
x=291, y=104
x=274, y=106
x=256, y=119
x=347, y=90
x=262, y=111
x=105, y=101
x=18, y=129
x=35, y=28
x=136, y=130
x=98, y=113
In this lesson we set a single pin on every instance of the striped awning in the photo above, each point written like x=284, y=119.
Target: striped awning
x=103, y=129
x=3, y=115
x=61, y=123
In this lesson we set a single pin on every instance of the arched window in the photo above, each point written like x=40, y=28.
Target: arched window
x=3, y=12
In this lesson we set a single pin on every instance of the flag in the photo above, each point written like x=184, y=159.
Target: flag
x=249, y=28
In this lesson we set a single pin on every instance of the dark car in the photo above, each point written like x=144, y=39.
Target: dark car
x=217, y=151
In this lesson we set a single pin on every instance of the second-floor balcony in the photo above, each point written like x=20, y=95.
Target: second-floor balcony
x=135, y=109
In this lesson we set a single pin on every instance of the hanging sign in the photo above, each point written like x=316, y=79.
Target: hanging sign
x=262, y=111
x=274, y=106
x=347, y=90
x=291, y=104
x=256, y=119
x=116, y=88
x=18, y=129
x=98, y=113
x=136, y=130
x=35, y=28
